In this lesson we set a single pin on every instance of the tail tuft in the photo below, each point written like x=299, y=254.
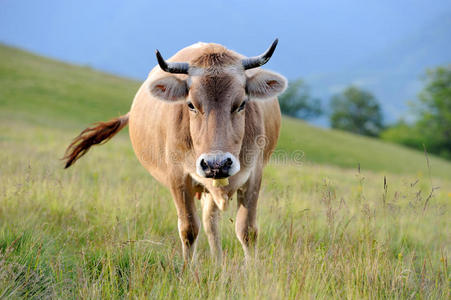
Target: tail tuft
x=101, y=133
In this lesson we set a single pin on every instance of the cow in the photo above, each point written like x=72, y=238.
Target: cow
x=206, y=115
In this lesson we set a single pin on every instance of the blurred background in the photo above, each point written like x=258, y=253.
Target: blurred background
x=369, y=67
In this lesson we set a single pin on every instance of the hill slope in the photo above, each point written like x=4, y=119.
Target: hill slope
x=44, y=92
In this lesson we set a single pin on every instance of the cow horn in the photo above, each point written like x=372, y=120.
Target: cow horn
x=172, y=67
x=258, y=61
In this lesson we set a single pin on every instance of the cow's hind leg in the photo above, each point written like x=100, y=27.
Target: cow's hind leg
x=210, y=216
x=188, y=221
x=246, y=217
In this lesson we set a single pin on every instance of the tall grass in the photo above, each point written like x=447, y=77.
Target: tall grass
x=106, y=229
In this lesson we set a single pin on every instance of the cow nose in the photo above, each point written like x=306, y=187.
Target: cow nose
x=217, y=166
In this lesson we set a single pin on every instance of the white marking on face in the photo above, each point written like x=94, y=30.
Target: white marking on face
x=218, y=156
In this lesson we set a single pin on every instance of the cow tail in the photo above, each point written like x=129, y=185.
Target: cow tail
x=100, y=133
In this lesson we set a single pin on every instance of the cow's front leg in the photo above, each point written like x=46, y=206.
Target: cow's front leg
x=210, y=216
x=246, y=217
x=188, y=221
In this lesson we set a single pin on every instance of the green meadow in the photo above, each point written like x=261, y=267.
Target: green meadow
x=340, y=216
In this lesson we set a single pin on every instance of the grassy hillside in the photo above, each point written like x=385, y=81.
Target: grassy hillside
x=334, y=147
x=56, y=94
x=105, y=229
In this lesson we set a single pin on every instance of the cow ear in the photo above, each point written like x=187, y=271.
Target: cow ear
x=265, y=84
x=169, y=88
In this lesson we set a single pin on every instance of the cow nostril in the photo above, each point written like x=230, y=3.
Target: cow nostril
x=203, y=165
x=228, y=162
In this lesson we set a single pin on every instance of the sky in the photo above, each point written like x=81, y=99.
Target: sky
x=316, y=37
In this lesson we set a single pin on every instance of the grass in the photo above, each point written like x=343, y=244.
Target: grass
x=106, y=229
x=334, y=147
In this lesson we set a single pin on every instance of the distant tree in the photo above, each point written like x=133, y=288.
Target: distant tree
x=403, y=133
x=296, y=101
x=432, y=112
x=357, y=111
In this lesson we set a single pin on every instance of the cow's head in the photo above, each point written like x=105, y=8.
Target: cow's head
x=216, y=93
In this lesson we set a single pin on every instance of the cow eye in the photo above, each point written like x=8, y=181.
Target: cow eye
x=242, y=106
x=191, y=106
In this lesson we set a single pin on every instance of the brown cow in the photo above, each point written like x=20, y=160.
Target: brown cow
x=211, y=114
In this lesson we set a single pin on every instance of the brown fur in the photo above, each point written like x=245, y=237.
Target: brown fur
x=215, y=55
x=99, y=134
